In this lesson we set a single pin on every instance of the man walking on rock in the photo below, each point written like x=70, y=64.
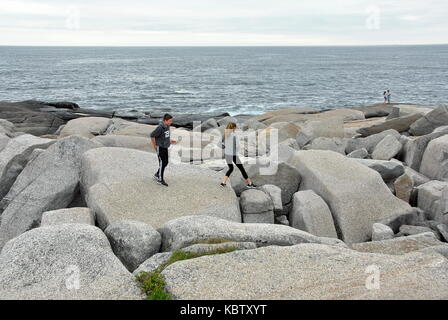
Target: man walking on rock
x=161, y=141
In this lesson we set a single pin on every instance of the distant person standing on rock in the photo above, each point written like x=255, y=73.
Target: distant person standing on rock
x=161, y=141
x=389, y=94
x=232, y=146
x=385, y=96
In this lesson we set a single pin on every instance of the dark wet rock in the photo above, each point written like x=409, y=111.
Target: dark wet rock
x=42, y=118
x=64, y=105
x=400, y=124
x=182, y=120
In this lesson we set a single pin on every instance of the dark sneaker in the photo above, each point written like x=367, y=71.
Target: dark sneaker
x=223, y=185
x=251, y=186
x=163, y=183
x=156, y=177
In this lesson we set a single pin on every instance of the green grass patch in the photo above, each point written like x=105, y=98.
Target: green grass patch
x=153, y=283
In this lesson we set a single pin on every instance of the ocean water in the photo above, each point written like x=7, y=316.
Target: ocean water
x=237, y=80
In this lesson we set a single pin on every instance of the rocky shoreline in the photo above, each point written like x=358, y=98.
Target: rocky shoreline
x=351, y=188
x=39, y=118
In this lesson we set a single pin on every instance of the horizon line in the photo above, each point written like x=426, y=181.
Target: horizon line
x=230, y=46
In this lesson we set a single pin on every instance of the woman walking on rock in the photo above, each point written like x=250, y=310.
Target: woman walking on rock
x=232, y=147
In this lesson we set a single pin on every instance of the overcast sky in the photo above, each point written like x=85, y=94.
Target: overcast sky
x=223, y=22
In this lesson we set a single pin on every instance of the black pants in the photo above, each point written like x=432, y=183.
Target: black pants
x=162, y=153
x=239, y=165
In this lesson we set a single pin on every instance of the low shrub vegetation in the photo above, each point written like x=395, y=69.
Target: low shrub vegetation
x=153, y=283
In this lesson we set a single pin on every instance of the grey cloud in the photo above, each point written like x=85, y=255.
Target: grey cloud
x=333, y=19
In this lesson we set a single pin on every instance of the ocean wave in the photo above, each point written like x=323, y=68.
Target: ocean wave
x=242, y=109
x=235, y=83
x=182, y=91
x=246, y=83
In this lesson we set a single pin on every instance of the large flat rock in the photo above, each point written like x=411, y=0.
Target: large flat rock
x=355, y=194
x=400, y=124
x=119, y=185
x=28, y=118
x=338, y=145
x=405, y=109
x=376, y=110
x=186, y=139
x=308, y=271
x=344, y=114
x=73, y=262
x=432, y=120
x=415, y=148
x=400, y=245
x=49, y=182
x=185, y=231
x=371, y=141
x=279, y=174
x=88, y=127
x=123, y=127
x=130, y=142
x=285, y=112
x=283, y=130
x=347, y=114
x=331, y=127
x=15, y=156
x=186, y=120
